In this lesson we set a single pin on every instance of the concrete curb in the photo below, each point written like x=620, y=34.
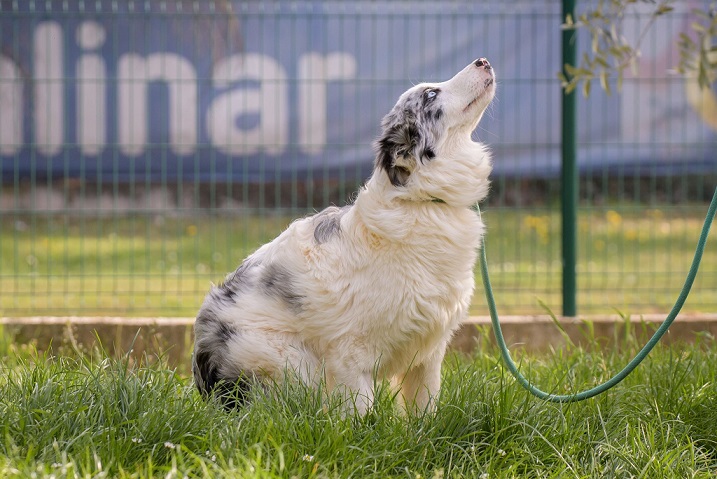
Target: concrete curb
x=540, y=333
x=172, y=337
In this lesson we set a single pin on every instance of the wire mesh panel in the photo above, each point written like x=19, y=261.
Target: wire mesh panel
x=648, y=176
x=146, y=147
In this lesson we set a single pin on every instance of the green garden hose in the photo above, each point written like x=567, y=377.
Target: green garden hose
x=566, y=398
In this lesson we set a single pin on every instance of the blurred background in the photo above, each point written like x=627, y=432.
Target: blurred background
x=147, y=147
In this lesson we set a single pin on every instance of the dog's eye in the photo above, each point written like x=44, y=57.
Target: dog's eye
x=431, y=94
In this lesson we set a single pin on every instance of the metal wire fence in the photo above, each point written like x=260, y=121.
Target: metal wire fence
x=146, y=147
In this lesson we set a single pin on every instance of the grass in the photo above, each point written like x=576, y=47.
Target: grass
x=92, y=416
x=634, y=260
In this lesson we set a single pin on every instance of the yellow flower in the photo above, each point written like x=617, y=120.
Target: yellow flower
x=613, y=217
x=655, y=213
x=539, y=224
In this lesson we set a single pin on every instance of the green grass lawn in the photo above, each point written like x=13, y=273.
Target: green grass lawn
x=633, y=260
x=98, y=417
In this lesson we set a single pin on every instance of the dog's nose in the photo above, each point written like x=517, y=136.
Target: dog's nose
x=482, y=62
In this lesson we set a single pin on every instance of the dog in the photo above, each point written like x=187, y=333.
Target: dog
x=373, y=290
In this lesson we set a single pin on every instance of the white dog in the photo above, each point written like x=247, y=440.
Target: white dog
x=374, y=289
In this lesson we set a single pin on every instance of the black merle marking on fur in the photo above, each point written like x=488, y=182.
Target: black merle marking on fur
x=428, y=153
x=215, y=333
x=399, y=141
x=211, y=343
x=232, y=393
x=328, y=223
x=434, y=115
x=235, y=282
x=279, y=283
x=224, y=331
x=409, y=134
x=239, y=278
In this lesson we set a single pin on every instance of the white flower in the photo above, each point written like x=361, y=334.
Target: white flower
x=169, y=445
x=485, y=475
x=136, y=440
x=307, y=458
x=501, y=452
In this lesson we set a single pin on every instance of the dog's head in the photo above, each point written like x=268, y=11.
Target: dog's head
x=425, y=140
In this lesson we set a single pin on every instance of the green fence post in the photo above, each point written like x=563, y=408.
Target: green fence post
x=569, y=179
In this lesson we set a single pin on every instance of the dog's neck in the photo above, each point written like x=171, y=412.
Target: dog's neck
x=390, y=214
x=443, y=193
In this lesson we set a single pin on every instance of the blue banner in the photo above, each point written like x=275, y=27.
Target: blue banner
x=229, y=91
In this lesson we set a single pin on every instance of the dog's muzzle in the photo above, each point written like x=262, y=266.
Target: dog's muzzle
x=483, y=62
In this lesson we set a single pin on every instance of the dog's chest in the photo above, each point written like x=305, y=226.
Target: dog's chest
x=423, y=306
x=400, y=296
x=417, y=294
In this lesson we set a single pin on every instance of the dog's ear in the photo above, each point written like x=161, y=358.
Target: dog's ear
x=396, y=149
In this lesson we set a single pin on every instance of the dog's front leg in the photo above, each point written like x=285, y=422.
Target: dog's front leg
x=355, y=387
x=421, y=384
x=363, y=393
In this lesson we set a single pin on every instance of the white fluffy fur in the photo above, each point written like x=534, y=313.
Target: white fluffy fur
x=385, y=292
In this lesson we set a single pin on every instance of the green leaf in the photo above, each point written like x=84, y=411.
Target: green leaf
x=698, y=27
x=586, y=88
x=604, y=82
x=662, y=9
x=701, y=13
x=702, y=77
x=570, y=70
x=556, y=323
x=687, y=41
x=615, y=51
x=600, y=60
